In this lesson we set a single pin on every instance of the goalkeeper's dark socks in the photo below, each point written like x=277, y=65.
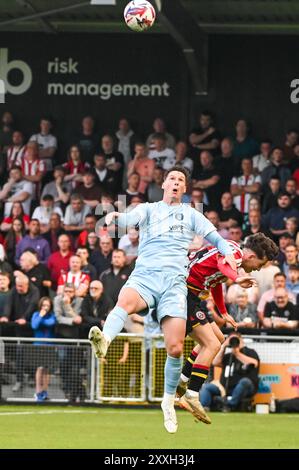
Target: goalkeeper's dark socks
x=187, y=369
x=199, y=375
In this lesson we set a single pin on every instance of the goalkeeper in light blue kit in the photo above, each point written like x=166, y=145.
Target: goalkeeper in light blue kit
x=159, y=279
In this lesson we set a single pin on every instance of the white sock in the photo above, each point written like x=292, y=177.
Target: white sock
x=184, y=379
x=168, y=398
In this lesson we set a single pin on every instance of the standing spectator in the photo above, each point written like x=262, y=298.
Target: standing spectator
x=33, y=168
x=114, y=278
x=162, y=155
x=58, y=262
x=95, y=307
x=208, y=179
x=44, y=211
x=17, y=212
x=292, y=228
x=229, y=215
x=281, y=313
x=227, y=164
x=36, y=241
x=291, y=189
x=129, y=244
x=235, y=234
x=288, y=147
x=37, y=273
x=291, y=257
x=262, y=160
x=87, y=139
x=47, y=143
x=255, y=224
x=55, y=230
x=132, y=189
x=142, y=165
x=242, y=187
x=204, y=137
x=59, y=189
x=213, y=217
x=17, y=189
x=181, y=158
x=271, y=195
x=279, y=281
x=13, y=237
x=89, y=190
x=154, y=189
x=90, y=226
x=42, y=323
x=16, y=151
x=126, y=142
x=276, y=168
x=75, y=276
x=86, y=267
x=264, y=277
x=244, y=145
x=101, y=259
x=243, y=312
x=75, y=167
x=114, y=159
x=159, y=126
x=105, y=178
x=75, y=215
x=67, y=308
x=275, y=217
x=293, y=279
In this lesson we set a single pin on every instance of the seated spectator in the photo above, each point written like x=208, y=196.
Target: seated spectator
x=37, y=273
x=235, y=234
x=275, y=217
x=143, y=166
x=242, y=187
x=101, y=257
x=291, y=189
x=229, y=215
x=281, y=313
x=14, y=235
x=89, y=190
x=4, y=291
x=243, y=312
x=239, y=374
x=114, y=159
x=16, y=151
x=207, y=178
x=262, y=160
x=292, y=228
x=205, y=136
x=43, y=322
x=95, y=307
x=55, y=230
x=6, y=130
x=33, y=169
x=34, y=240
x=67, y=308
x=86, y=267
x=279, y=281
x=159, y=126
x=227, y=164
x=264, y=277
x=181, y=158
x=162, y=155
x=276, y=168
x=74, y=276
x=47, y=143
x=106, y=178
x=59, y=261
x=132, y=189
x=90, y=224
x=59, y=188
x=126, y=140
x=17, y=211
x=92, y=243
x=17, y=189
x=75, y=215
x=284, y=240
x=293, y=279
x=271, y=194
x=245, y=146
x=114, y=278
x=213, y=217
x=44, y=212
x=129, y=244
x=255, y=225
x=197, y=200
x=75, y=167
x=4, y=264
x=291, y=254
x=87, y=139
x=154, y=189
x=233, y=290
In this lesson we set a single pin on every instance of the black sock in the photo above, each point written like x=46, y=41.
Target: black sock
x=187, y=369
x=199, y=375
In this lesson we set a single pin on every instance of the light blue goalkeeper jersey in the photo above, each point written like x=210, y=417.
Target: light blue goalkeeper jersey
x=165, y=234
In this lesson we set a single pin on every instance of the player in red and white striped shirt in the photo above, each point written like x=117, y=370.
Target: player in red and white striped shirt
x=207, y=272
x=74, y=276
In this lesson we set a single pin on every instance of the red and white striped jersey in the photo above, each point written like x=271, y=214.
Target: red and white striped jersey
x=15, y=155
x=32, y=168
x=76, y=279
x=203, y=266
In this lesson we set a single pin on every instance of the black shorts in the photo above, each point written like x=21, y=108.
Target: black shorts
x=197, y=312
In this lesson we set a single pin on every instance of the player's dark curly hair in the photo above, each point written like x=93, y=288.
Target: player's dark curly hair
x=178, y=168
x=262, y=246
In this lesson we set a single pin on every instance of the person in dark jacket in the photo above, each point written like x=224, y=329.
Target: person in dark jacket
x=114, y=278
x=95, y=307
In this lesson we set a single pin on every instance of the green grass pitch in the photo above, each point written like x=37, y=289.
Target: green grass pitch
x=47, y=427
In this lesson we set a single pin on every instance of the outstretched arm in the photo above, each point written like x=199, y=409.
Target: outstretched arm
x=125, y=219
x=216, y=240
